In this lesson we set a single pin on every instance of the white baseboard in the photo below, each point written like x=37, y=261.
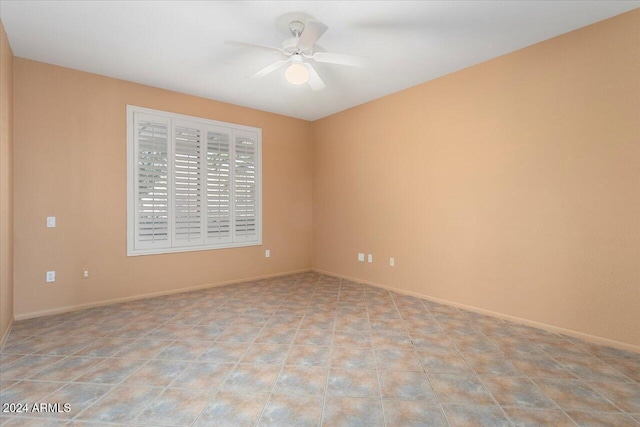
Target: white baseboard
x=587, y=337
x=6, y=333
x=76, y=307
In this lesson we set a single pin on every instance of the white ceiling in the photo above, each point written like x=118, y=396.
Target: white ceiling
x=178, y=45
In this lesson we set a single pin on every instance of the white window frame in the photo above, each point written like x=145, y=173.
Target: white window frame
x=233, y=129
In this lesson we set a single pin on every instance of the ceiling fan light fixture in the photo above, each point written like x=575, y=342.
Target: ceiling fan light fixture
x=296, y=74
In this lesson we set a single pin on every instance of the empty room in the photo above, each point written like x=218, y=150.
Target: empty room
x=321, y=213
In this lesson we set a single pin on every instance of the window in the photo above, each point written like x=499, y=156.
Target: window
x=193, y=184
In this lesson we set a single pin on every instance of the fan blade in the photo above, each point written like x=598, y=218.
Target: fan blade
x=338, y=58
x=315, y=81
x=313, y=30
x=270, y=69
x=255, y=46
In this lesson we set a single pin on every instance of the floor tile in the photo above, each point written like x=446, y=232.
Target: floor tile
x=604, y=351
x=309, y=355
x=474, y=343
x=462, y=389
x=591, y=368
x=174, y=407
x=353, y=383
x=626, y=396
x=67, y=369
x=433, y=343
x=231, y=409
x=352, y=412
x=404, y=413
x=252, y=378
x=134, y=330
x=157, y=373
x=516, y=391
x=104, y=347
x=276, y=336
x=78, y=396
x=28, y=391
x=405, y=385
x=290, y=322
x=557, y=346
x=67, y=346
x=403, y=359
x=169, y=332
x=318, y=322
x=574, y=395
x=313, y=337
x=31, y=422
x=6, y=358
x=121, y=405
x=352, y=338
x=224, y=352
x=31, y=345
x=593, y=419
x=110, y=371
x=390, y=339
x=446, y=363
x=299, y=380
x=628, y=367
x=311, y=342
x=541, y=367
x=353, y=357
x=268, y=354
x=203, y=375
x=467, y=415
x=527, y=417
x=239, y=334
x=143, y=349
x=284, y=410
x=183, y=350
x=490, y=364
x=26, y=366
x=352, y=323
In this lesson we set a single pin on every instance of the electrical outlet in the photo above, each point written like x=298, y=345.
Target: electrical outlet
x=51, y=221
x=361, y=257
x=85, y=274
x=267, y=253
x=392, y=262
x=370, y=258
x=51, y=276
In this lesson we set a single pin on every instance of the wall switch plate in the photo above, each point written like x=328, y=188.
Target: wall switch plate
x=51, y=276
x=392, y=262
x=85, y=274
x=370, y=258
x=51, y=221
x=361, y=257
x=267, y=253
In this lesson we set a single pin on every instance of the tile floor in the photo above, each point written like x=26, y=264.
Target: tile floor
x=308, y=350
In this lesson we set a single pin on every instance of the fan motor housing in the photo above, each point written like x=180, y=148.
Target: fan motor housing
x=290, y=45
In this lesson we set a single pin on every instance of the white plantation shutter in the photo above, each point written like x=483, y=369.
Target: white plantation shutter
x=152, y=225
x=187, y=184
x=193, y=184
x=218, y=185
x=245, y=186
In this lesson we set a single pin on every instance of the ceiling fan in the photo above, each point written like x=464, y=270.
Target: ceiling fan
x=299, y=51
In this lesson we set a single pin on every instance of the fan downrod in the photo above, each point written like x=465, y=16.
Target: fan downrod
x=296, y=28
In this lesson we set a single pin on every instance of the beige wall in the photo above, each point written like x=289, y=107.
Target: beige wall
x=6, y=194
x=70, y=162
x=511, y=186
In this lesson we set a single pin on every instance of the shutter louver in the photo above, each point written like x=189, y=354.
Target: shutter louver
x=245, y=192
x=187, y=198
x=152, y=188
x=218, y=186
x=192, y=183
